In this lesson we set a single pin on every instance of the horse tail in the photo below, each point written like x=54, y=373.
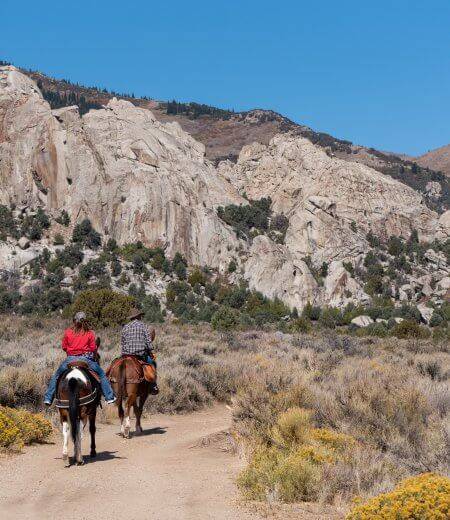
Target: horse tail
x=74, y=402
x=122, y=380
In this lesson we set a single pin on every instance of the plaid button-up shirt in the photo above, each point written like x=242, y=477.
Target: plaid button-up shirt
x=136, y=339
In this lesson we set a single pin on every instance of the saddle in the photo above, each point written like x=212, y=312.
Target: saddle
x=141, y=371
x=87, y=399
x=82, y=364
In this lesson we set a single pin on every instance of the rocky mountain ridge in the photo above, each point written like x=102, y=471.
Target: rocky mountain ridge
x=139, y=179
x=225, y=132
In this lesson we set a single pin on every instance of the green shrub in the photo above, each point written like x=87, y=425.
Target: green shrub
x=232, y=266
x=197, y=277
x=85, y=235
x=244, y=218
x=225, y=318
x=311, y=312
x=290, y=464
x=9, y=298
x=71, y=256
x=58, y=240
x=116, y=268
x=373, y=329
x=300, y=325
x=330, y=317
x=179, y=266
x=8, y=225
x=63, y=218
x=94, y=267
x=408, y=312
x=152, y=309
x=56, y=298
x=103, y=307
x=395, y=246
x=408, y=329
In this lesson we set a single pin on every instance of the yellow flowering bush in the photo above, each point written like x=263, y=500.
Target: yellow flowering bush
x=19, y=427
x=290, y=465
x=423, y=497
x=10, y=437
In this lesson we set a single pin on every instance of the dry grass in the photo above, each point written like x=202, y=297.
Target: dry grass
x=392, y=396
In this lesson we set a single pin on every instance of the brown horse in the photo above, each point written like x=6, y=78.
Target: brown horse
x=77, y=398
x=126, y=377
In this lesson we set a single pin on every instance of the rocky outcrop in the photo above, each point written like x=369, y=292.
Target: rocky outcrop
x=271, y=269
x=331, y=203
x=137, y=178
x=362, y=321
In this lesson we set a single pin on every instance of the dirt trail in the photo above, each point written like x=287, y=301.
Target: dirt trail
x=163, y=474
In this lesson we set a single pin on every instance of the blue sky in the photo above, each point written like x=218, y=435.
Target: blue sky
x=378, y=74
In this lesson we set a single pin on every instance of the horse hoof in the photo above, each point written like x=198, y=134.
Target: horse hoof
x=80, y=463
x=66, y=461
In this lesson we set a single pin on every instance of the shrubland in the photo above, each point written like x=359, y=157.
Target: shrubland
x=324, y=410
x=320, y=416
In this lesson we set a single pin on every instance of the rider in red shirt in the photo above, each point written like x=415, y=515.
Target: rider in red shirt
x=79, y=344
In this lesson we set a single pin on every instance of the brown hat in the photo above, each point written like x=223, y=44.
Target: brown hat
x=135, y=313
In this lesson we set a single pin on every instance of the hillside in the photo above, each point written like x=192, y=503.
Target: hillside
x=438, y=160
x=290, y=218
x=225, y=132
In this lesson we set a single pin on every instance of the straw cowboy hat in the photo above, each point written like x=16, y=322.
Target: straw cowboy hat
x=135, y=313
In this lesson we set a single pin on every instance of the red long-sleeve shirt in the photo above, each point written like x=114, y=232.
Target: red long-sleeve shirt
x=78, y=344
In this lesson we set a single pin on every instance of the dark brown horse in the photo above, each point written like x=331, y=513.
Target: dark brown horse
x=77, y=398
x=129, y=385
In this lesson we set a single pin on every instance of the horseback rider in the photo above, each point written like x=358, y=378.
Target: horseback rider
x=80, y=345
x=136, y=341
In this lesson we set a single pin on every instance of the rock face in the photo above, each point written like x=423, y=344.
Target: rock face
x=137, y=178
x=331, y=203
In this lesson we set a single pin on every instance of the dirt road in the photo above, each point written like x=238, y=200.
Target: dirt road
x=164, y=474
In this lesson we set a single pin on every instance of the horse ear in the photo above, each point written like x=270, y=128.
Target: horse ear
x=152, y=334
x=97, y=341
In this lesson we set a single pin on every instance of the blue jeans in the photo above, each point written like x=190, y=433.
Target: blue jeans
x=104, y=383
x=148, y=359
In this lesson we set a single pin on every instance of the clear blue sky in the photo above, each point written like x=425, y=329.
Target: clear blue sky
x=376, y=73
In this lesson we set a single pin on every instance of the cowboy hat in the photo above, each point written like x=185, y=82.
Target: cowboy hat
x=135, y=313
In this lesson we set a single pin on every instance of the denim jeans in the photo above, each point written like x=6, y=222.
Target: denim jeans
x=148, y=359
x=104, y=383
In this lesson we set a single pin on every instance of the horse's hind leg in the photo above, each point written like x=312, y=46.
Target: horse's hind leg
x=121, y=416
x=130, y=403
x=92, y=430
x=137, y=412
x=66, y=434
x=78, y=453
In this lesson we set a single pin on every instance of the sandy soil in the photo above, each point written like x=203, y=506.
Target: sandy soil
x=168, y=473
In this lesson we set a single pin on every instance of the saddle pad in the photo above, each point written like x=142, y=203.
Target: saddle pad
x=141, y=370
x=84, y=366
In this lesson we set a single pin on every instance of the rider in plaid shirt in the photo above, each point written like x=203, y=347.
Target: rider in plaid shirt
x=136, y=340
